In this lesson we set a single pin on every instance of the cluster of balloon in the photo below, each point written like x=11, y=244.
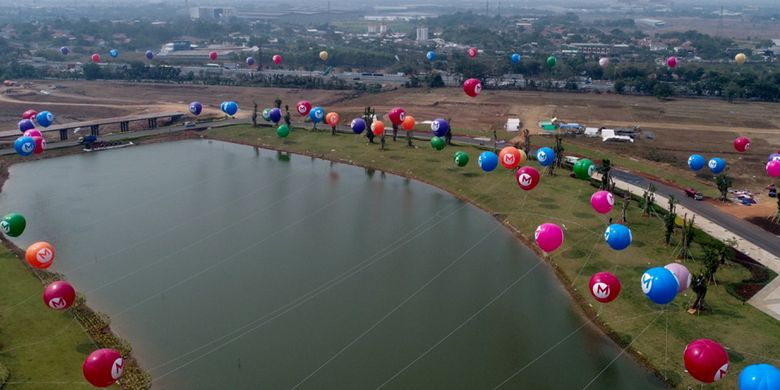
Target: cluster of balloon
x=551, y=61
x=95, y=58
x=545, y=156
x=59, y=295
x=584, y=169
x=438, y=143
x=40, y=255
x=317, y=114
x=515, y=58
x=461, y=158
x=604, y=287
x=196, y=108
x=44, y=118
x=671, y=62
x=773, y=168
x=602, y=201
x=103, y=367
x=114, y=53
x=617, y=236
x=26, y=124
x=149, y=55
x=277, y=59
x=472, y=87
x=473, y=52
x=431, y=55
x=440, y=127
x=681, y=275
x=324, y=55
x=510, y=157
x=527, y=178
x=358, y=125
x=275, y=115
x=250, y=61
x=740, y=58
x=378, y=128
x=332, y=119
x=408, y=123
x=742, y=144
x=213, y=56
x=716, y=165
x=659, y=285
x=64, y=50
x=397, y=116
x=303, y=107
x=549, y=237
x=13, y=224
x=488, y=161
x=759, y=377
x=283, y=131
x=229, y=107
x=706, y=360
x=696, y=162
x=603, y=62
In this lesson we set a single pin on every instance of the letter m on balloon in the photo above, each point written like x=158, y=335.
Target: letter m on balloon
x=602, y=290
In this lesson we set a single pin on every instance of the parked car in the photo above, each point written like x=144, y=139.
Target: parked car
x=692, y=193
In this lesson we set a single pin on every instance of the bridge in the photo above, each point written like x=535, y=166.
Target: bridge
x=94, y=125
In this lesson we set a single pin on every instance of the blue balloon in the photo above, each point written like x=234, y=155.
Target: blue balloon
x=250, y=61
x=64, y=50
x=716, y=165
x=44, y=118
x=317, y=114
x=545, y=156
x=25, y=146
x=275, y=115
x=488, y=161
x=774, y=157
x=196, y=108
x=149, y=54
x=516, y=58
x=113, y=53
x=230, y=108
x=696, y=162
x=440, y=127
x=26, y=124
x=759, y=377
x=617, y=236
x=431, y=55
x=660, y=285
x=358, y=125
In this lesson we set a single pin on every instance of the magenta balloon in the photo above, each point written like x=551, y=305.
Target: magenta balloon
x=671, y=62
x=549, y=237
x=682, y=275
x=33, y=133
x=773, y=168
x=602, y=201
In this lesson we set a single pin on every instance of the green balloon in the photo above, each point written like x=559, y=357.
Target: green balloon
x=583, y=169
x=437, y=143
x=551, y=61
x=13, y=224
x=283, y=131
x=461, y=159
x=267, y=114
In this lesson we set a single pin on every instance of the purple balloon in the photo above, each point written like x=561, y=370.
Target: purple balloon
x=26, y=124
x=774, y=157
x=250, y=61
x=275, y=114
x=440, y=127
x=149, y=54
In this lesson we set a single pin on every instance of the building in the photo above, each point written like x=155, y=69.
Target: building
x=211, y=13
x=176, y=46
x=422, y=34
x=651, y=22
x=377, y=29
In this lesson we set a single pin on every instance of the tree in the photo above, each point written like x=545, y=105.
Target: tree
x=436, y=81
x=713, y=253
x=92, y=71
x=559, y=149
x=699, y=285
x=620, y=86
x=254, y=114
x=527, y=143
x=662, y=91
x=687, y=237
x=624, y=209
x=648, y=200
x=278, y=103
x=670, y=219
x=368, y=116
x=777, y=215
x=607, y=184
x=724, y=183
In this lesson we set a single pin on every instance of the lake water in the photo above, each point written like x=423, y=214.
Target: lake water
x=229, y=267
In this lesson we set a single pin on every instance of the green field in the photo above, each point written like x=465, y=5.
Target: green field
x=657, y=334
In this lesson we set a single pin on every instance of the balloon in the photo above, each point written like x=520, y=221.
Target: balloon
x=516, y=58
x=659, y=285
x=196, y=108
x=473, y=52
x=358, y=125
x=681, y=275
x=250, y=61
x=59, y=295
x=44, y=118
x=332, y=118
x=472, y=87
x=602, y=201
x=283, y=131
x=618, y=237
x=696, y=162
x=549, y=237
x=671, y=62
x=461, y=159
x=29, y=114
x=40, y=255
x=773, y=168
x=277, y=59
x=103, y=367
x=317, y=114
x=706, y=360
x=545, y=156
x=488, y=161
x=64, y=50
x=149, y=55
x=25, y=146
x=551, y=61
x=603, y=62
x=716, y=165
x=113, y=53
x=378, y=127
x=438, y=143
x=266, y=114
x=584, y=169
x=408, y=123
x=26, y=124
x=40, y=145
x=527, y=178
x=13, y=224
x=213, y=55
x=275, y=115
x=604, y=286
x=33, y=133
x=759, y=377
x=510, y=157
x=440, y=127
x=324, y=55
x=431, y=56
x=742, y=144
x=740, y=58
x=230, y=108
x=774, y=157
x=396, y=116
x=95, y=58
x=303, y=107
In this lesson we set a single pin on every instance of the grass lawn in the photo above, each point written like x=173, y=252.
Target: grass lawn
x=658, y=334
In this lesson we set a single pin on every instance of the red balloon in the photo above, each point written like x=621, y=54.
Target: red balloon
x=103, y=367
x=40, y=145
x=742, y=144
x=277, y=59
x=96, y=57
x=473, y=52
x=671, y=62
x=527, y=178
x=29, y=114
x=472, y=87
x=303, y=107
x=510, y=157
x=59, y=295
x=706, y=360
x=378, y=128
x=397, y=116
x=604, y=286
x=213, y=56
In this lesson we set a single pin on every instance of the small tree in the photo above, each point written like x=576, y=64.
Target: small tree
x=669, y=220
x=724, y=183
x=687, y=237
x=662, y=91
x=526, y=141
x=607, y=184
x=699, y=285
x=624, y=209
x=777, y=214
x=648, y=200
x=254, y=115
x=368, y=116
x=559, y=149
x=278, y=103
x=712, y=261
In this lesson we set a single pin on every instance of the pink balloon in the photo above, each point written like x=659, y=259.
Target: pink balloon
x=33, y=133
x=59, y=295
x=671, y=62
x=473, y=52
x=682, y=275
x=742, y=144
x=773, y=168
x=277, y=59
x=604, y=286
x=472, y=87
x=706, y=360
x=602, y=201
x=103, y=367
x=549, y=237
x=303, y=107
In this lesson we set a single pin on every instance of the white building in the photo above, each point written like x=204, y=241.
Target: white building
x=422, y=34
x=211, y=13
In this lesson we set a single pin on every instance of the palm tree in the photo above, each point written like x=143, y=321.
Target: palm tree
x=669, y=220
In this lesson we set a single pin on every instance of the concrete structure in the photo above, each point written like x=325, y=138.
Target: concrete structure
x=94, y=125
x=651, y=22
x=211, y=13
x=422, y=34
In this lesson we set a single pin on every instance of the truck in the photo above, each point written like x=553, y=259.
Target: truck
x=692, y=193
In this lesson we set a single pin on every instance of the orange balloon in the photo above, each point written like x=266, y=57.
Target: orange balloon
x=378, y=127
x=408, y=123
x=332, y=118
x=40, y=255
x=510, y=157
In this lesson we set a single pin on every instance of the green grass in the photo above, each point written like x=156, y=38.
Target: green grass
x=748, y=332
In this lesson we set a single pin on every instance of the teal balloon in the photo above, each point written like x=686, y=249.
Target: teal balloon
x=267, y=114
x=583, y=169
x=461, y=158
x=13, y=224
x=437, y=143
x=282, y=131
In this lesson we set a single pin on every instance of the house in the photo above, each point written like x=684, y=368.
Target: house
x=609, y=135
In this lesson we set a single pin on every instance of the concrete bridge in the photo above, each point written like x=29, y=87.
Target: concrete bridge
x=94, y=125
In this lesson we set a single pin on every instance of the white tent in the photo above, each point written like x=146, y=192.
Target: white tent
x=513, y=124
